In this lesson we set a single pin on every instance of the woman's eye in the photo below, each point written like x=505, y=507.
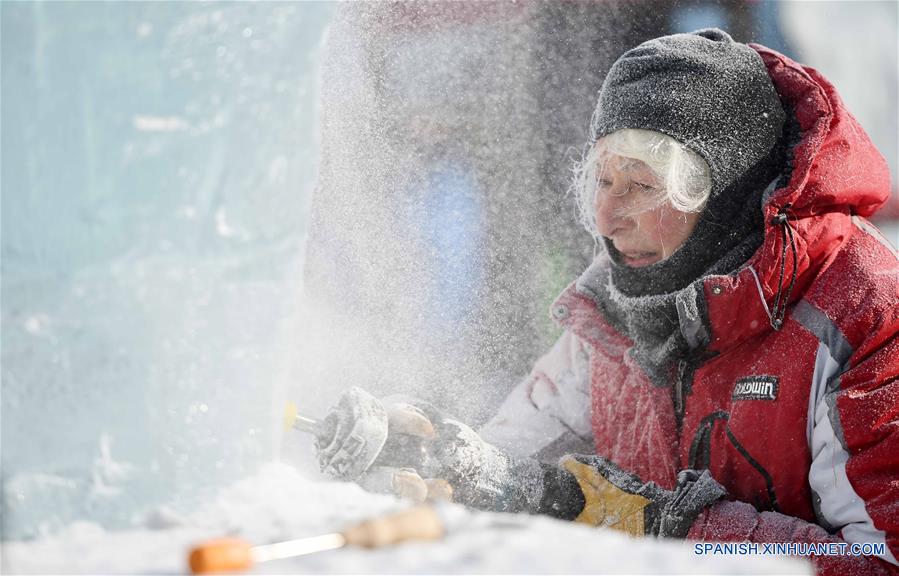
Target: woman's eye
x=603, y=185
x=644, y=187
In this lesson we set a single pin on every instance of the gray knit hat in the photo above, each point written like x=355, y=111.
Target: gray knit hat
x=703, y=89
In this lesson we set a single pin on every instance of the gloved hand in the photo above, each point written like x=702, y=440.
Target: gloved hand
x=595, y=491
x=380, y=445
x=481, y=475
x=412, y=449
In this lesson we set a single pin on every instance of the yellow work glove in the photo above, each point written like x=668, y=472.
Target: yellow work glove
x=595, y=491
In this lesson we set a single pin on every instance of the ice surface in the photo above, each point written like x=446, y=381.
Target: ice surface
x=157, y=160
x=280, y=503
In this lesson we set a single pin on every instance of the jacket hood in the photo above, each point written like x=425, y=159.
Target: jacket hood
x=836, y=167
x=835, y=172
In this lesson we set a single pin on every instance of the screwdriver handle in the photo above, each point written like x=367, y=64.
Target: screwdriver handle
x=234, y=554
x=221, y=555
x=419, y=523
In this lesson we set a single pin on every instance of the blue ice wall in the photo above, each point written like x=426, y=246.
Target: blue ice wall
x=157, y=158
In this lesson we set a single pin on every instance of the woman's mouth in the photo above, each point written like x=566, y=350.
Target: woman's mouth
x=637, y=259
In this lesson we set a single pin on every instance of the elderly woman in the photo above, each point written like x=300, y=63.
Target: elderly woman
x=728, y=369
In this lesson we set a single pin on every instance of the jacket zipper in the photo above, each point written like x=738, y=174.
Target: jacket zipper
x=679, y=404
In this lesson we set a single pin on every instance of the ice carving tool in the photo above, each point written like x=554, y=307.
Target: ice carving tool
x=353, y=443
x=350, y=437
x=353, y=436
x=232, y=554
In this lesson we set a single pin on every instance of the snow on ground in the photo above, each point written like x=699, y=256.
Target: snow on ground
x=279, y=503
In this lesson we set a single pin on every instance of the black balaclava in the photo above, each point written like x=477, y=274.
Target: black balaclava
x=714, y=96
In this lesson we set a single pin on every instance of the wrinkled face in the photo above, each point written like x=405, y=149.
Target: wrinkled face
x=630, y=211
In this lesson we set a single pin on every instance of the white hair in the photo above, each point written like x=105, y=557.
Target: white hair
x=685, y=177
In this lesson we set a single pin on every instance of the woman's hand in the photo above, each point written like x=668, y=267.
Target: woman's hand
x=381, y=445
x=595, y=491
x=409, y=448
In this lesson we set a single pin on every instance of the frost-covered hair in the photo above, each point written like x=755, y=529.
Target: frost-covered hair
x=685, y=177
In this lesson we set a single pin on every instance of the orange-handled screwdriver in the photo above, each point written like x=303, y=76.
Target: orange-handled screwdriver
x=229, y=554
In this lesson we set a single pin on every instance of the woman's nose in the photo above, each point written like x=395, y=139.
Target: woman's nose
x=608, y=213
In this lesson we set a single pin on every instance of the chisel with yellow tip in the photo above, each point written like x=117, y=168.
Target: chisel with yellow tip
x=293, y=419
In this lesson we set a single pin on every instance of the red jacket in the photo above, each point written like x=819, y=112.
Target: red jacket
x=800, y=424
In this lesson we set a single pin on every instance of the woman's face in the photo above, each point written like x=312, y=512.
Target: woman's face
x=628, y=212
